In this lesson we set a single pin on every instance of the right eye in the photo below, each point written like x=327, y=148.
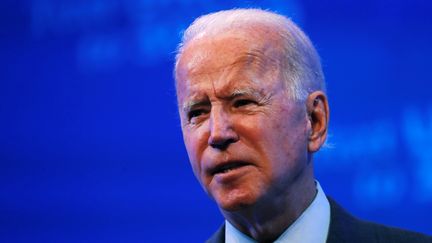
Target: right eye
x=195, y=113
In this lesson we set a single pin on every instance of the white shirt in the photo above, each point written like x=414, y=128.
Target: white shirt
x=311, y=227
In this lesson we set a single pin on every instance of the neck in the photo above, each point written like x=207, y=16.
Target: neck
x=269, y=218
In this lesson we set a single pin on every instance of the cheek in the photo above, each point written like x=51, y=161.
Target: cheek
x=191, y=150
x=193, y=140
x=287, y=138
x=294, y=144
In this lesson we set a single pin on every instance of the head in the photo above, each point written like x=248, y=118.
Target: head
x=252, y=105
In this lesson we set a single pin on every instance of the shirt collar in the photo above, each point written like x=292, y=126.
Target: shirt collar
x=311, y=227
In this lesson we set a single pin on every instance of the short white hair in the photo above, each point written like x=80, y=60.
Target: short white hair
x=302, y=68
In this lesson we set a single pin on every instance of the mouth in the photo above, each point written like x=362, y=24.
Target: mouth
x=227, y=167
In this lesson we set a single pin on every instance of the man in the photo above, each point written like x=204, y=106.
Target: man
x=253, y=111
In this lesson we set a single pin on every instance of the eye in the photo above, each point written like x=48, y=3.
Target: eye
x=195, y=113
x=243, y=102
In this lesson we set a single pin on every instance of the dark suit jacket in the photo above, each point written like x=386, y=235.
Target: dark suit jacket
x=345, y=228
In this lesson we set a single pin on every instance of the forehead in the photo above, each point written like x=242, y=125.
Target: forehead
x=231, y=59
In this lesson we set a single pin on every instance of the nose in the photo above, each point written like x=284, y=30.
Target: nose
x=222, y=132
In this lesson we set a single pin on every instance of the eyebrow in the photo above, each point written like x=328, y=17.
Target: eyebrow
x=236, y=93
x=244, y=92
x=194, y=103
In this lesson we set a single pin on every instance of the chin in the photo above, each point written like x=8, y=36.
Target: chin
x=235, y=200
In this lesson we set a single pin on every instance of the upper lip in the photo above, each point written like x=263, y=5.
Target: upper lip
x=226, y=165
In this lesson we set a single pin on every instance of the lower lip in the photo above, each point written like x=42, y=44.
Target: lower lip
x=232, y=174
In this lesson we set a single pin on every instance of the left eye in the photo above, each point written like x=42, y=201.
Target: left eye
x=243, y=102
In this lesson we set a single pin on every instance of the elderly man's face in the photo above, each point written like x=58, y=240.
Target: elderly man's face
x=246, y=139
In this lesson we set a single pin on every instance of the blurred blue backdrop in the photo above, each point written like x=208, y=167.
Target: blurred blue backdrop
x=90, y=143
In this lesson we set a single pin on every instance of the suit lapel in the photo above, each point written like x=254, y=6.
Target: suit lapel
x=343, y=226
x=218, y=236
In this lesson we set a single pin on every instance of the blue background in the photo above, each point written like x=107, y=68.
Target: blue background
x=90, y=143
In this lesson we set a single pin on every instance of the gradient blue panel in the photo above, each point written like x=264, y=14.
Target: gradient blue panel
x=90, y=143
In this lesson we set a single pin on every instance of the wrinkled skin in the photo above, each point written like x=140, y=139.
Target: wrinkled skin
x=249, y=143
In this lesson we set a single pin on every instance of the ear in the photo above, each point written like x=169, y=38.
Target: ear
x=318, y=112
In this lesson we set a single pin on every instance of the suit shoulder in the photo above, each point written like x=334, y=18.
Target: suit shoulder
x=383, y=233
x=346, y=228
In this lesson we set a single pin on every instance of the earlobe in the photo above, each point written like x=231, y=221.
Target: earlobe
x=318, y=112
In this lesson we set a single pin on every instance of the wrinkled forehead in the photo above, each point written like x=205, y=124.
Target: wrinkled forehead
x=245, y=50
